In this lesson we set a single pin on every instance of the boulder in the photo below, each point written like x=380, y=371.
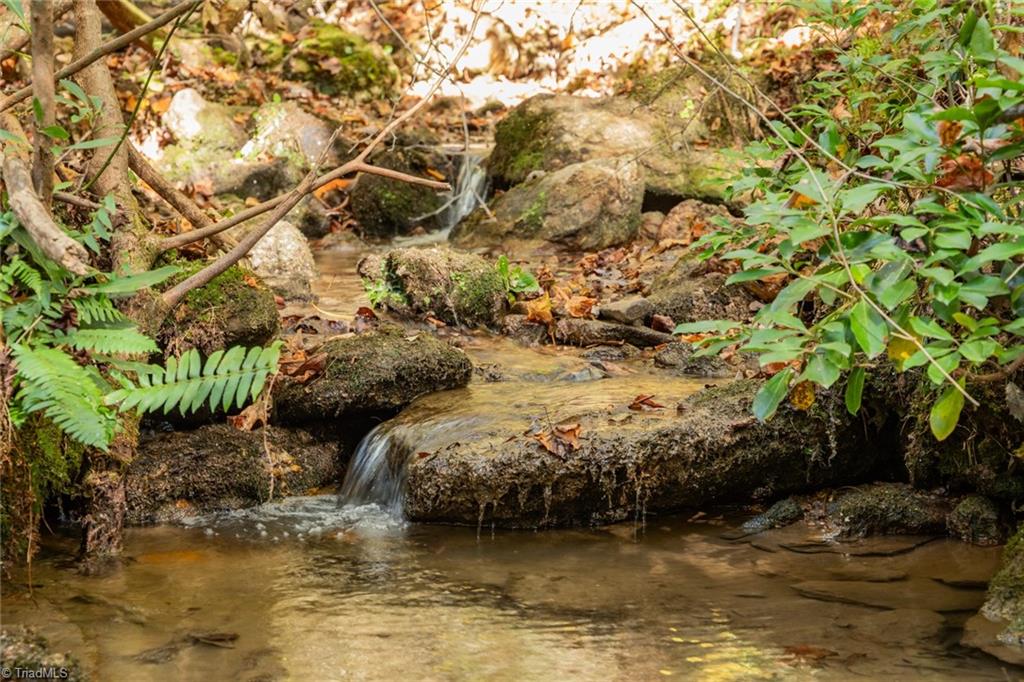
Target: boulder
x=680, y=358
x=373, y=373
x=217, y=467
x=617, y=463
x=235, y=308
x=283, y=259
x=27, y=651
x=976, y=520
x=582, y=332
x=284, y=131
x=385, y=207
x=887, y=509
x=689, y=219
x=782, y=513
x=689, y=292
x=999, y=627
x=550, y=132
x=458, y=288
x=207, y=137
x=629, y=310
x=589, y=205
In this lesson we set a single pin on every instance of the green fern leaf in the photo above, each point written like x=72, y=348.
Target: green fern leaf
x=227, y=378
x=52, y=382
x=126, y=340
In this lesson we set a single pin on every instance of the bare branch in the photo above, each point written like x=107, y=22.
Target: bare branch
x=75, y=200
x=31, y=212
x=42, y=89
x=107, y=48
x=348, y=168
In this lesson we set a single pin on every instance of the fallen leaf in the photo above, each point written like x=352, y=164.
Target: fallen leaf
x=949, y=132
x=802, y=396
x=436, y=174
x=559, y=440
x=539, y=310
x=645, y=402
x=797, y=200
x=247, y=419
x=338, y=184
x=965, y=172
x=579, y=306
x=662, y=323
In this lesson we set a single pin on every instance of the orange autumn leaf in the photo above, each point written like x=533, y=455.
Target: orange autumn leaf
x=802, y=396
x=965, y=172
x=949, y=132
x=645, y=402
x=436, y=174
x=338, y=184
x=160, y=105
x=798, y=200
x=539, y=310
x=579, y=306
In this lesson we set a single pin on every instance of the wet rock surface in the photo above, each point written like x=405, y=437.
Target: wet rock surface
x=458, y=288
x=217, y=467
x=887, y=509
x=588, y=205
x=689, y=292
x=386, y=207
x=374, y=372
x=998, y=629
x=25, y=651
x=975, y=519
x=629, y=461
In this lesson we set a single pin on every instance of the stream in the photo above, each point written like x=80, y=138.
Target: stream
x=340, y=586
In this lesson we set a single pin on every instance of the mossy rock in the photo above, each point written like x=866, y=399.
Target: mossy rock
x=589, y=205
x=1005, y=602
x=385, y=207
x=888, y=509
x=374, y=373
x=690, y=292
x=218, y=467
x=975, y=519
x=550, y=132
x=978, y=457
x=233, y=309
x=459, y=288
x=339, y=62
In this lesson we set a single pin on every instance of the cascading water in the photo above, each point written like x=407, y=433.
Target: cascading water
x=376, y=474
x=470, y=189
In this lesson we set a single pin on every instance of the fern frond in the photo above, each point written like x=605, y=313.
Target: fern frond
x=52, y=382
x=227, y=378
x=96, y=309
x=126, y=340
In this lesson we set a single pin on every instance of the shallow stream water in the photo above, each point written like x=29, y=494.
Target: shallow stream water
x=315, y=590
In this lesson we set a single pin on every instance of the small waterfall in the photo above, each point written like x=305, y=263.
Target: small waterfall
x=376, y=474
x=470, y=189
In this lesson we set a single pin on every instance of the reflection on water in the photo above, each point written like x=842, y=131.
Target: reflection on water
x=315, y=590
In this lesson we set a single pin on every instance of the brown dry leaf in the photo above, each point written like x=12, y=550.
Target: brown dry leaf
x=579, y=306
x=775, y=367
x=539, y=310
x=247, y=419
x=809, y=652
x=662, y=323
x=645, y=402
x=965, y=172
x=802, y=396
x=436, y=174
x=559, y=440
x=302, y=369
x=768, y=287
x=252, y=201
x=287, y=38
x=251, y=281
x=949, y=132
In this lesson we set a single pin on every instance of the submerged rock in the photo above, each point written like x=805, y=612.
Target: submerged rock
x=680, y=357
x=283, y=259
x=588, y=205
x=976, y=520
x=782, y=513
x=627, y=461
x=888, y=509
x=458, y=288
x=26, y=651
x=550, y=132
x=235, y=308
x=217, y=467
x=371, y=373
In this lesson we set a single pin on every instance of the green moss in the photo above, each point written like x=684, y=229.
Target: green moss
x=521, y=145
x=339, y=62
x=533, y=217
x=386, y=207
x=1006, y=591
x=888, y=508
